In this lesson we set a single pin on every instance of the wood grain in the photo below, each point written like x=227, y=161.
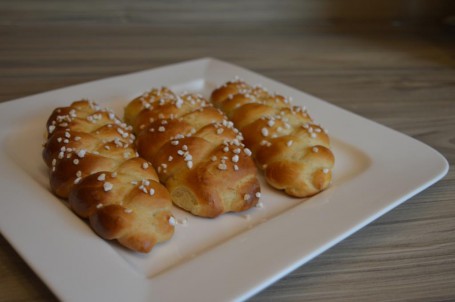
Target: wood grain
x=392, y=63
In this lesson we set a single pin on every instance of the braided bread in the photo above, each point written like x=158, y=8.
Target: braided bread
x=293, y=151
x=197, y=153
x=92, y=162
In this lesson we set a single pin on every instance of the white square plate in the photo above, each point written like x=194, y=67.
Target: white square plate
x=228, y=258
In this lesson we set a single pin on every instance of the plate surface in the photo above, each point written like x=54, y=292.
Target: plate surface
x=228, y=258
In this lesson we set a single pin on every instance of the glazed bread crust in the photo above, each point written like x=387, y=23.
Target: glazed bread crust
x=93, y=163
x=287, y=145
x=198, y=154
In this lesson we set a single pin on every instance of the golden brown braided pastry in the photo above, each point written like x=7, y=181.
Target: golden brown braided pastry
x=293, y=151
x=93, y=162
x=198, y=154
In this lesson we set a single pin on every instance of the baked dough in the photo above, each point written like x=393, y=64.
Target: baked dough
x=93, y=162
x=198, y=154
x=292, y=150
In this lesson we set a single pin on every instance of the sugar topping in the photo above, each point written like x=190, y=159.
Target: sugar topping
x=81, y=153
x=51, y=129
x=107, y=186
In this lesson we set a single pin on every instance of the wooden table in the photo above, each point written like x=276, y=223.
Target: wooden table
x=396, y=73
